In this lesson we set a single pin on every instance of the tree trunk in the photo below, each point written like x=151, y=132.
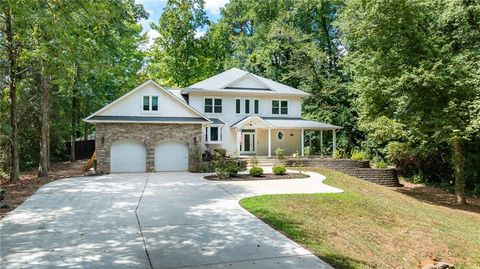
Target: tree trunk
x=12, y=73
x=458, y=165
x=45, y=86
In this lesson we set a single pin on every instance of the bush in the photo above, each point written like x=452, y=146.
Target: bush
x=279, y=169
x=306, y=151
x=381, y=165
x=254, y=161
x=417, y=179
x=280, y=153
x=220, y=152
x=256, y=171
x=225, y=168
x=359, y=156
x=2, y=193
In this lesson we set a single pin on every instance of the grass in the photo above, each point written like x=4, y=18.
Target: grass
x=370, y=226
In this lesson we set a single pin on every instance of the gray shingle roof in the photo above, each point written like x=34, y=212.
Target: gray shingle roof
x=220, y=81
x=216, y=121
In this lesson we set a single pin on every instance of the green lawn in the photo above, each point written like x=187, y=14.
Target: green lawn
x=370, y=226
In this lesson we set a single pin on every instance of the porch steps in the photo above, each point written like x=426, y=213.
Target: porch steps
x=263, y=161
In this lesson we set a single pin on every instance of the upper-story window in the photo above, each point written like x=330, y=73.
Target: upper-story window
x=279, y=107
x=150, y=103
x=237, y=106
x=248, y=107
x=213, y=105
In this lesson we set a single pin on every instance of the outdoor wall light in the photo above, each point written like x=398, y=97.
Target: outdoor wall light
x=103, y=139
x=194, y=140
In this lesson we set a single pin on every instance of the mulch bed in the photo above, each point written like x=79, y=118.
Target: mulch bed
x=29, y=183
x=268, y=176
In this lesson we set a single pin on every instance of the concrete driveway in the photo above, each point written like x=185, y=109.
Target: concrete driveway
x=154, y=220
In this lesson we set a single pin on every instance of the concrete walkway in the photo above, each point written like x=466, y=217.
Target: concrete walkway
x=156, y=220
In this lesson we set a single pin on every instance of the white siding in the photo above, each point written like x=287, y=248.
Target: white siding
x=132, y=105
x=229, y=117
x=247, y=82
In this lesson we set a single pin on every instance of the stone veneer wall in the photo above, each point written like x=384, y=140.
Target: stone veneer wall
x=148, y=133
x=359, y=169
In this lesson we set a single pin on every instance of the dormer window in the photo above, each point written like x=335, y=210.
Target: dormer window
x=213, y=105
x=150, y=103
x=279, y=107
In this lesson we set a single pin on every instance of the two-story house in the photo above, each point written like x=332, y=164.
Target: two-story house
x=156, y=129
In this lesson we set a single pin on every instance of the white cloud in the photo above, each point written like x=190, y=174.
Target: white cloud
x=213, y=6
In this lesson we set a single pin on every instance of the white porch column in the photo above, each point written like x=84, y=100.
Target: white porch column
x=269, y=142
x=334, y=132
x=303, y=142
x=321, y=142
x=239, y=132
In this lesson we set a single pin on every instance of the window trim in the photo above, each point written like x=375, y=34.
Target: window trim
x=150, y=100
x=208, y=137
x=280, y=106
x=249, y=107
x=213, y=104
x=257, y=111
x=283, y=135
x=239, y=110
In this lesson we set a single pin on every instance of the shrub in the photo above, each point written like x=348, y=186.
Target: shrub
x=359, y=156
x=2, y=193
x=225, y=168
x=417, y=179
x=280, y=153
x=279, y=169
x=196, y=158
x=306, y=151
x=254, y=161
x=381, y=165
x=256, y=171
x=336, y=154
x=221, y=152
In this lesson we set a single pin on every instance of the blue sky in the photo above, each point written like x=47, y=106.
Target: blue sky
x=155, y=8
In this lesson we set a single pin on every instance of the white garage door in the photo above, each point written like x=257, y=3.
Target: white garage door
x=128, y=156
x=171, y=156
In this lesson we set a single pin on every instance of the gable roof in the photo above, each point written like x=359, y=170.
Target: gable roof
x=175, y=97
x=222, y=81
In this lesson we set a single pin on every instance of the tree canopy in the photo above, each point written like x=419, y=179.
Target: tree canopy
x=401, y=77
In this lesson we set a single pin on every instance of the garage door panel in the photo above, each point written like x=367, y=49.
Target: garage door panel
x=128, y=156
x=171, y=156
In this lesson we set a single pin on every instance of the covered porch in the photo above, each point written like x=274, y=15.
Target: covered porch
x=261, y=136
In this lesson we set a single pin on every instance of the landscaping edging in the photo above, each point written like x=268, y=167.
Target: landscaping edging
x=360, y=169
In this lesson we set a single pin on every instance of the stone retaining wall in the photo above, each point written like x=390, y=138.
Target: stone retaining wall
x=359, y=169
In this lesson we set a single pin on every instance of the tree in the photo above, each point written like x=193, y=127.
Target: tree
x=176, y=55
x=417, y=63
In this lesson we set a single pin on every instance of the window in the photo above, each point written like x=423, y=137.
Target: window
x=146, y=103
x=284, y=107
x=208, y=105
x=150, y=103
x=213, y=134
x=255, y=106
x=279, y=107
x=247, y=106
x=280, y=135
x=275, y=107
x=213, y=105
x=237, y=106
x=155, y=103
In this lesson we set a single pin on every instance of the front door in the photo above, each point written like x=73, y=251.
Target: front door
x=248, y=145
